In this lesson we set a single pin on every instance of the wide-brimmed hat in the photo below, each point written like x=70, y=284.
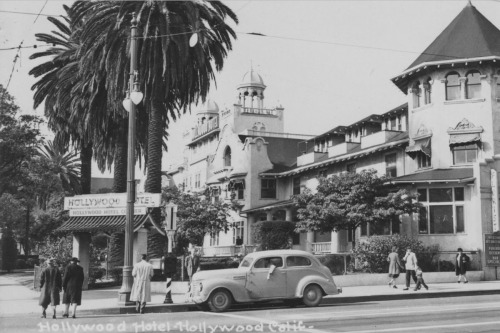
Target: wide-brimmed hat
x=75, y=259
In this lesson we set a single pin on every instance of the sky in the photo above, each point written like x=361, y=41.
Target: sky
x=328, y=63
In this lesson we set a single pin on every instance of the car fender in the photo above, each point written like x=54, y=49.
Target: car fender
x=326, y=285
x=236, y=289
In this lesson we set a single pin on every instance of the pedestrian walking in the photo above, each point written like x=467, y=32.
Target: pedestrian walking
x=192, y=263
x=50, y=285
x=141, y=289
x=410, y=265
x=72, y=287
x=461, y=263
x=420, y=280
x=394, y=266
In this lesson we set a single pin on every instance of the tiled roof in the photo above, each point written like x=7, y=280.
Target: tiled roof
x=469, y=35
x=459, y=175
x=99, y=223
x=398, y=140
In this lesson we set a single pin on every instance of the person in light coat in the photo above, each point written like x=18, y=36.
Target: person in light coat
x=141, y=289
x=410, y=266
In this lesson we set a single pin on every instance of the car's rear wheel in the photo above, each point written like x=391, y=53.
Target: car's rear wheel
x=312, y=295
x=220, y=300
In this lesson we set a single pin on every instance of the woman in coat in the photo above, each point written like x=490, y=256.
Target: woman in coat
x=394, y=266
x=141, y=289
x=72, y=286
x=50, y=285
x=461, y=263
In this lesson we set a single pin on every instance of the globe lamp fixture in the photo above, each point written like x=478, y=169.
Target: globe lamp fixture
x=193, y=40
x=136, y=94
x=127, y=101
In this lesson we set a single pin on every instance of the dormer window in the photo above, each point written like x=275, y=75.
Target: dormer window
x=227, y=157
x=417, y=94
x=452, y=86
x=473, y=85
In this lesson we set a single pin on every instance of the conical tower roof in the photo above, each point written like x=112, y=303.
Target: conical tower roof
x=469, y=35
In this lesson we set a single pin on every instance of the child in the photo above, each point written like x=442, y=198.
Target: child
x=420, y=279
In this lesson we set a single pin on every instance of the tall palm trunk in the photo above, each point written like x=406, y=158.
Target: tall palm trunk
x=156, y=241
x=86, y=168
x=117, y=239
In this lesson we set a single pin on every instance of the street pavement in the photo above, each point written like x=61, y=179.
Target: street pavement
x=17, y=299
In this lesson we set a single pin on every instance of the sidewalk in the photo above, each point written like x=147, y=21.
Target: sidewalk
x=16, y=299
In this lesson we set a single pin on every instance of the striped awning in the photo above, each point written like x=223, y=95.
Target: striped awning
x=464, y=138
x=100, y=223
x=422, y=146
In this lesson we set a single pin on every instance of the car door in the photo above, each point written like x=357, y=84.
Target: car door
x=267, y=278
x=297, y=267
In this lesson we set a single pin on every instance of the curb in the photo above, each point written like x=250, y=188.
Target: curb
x=185, y=307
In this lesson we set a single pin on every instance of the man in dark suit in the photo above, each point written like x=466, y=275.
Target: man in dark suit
x=192, y=263
x=461, y=263
x=72, y=286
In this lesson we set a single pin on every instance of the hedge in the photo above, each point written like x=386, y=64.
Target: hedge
x=274, y=235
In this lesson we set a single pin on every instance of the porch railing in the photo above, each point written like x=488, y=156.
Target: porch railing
x=227, y=250
x=326, y=247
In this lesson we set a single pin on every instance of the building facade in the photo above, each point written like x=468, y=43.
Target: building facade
x=444, y=144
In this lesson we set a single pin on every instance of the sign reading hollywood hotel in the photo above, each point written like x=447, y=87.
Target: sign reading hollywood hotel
x=112, y=200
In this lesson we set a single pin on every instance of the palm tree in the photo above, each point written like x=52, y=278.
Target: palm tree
x=172, y=75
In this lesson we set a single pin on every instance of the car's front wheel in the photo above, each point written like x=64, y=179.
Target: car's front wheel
x=220, y=300
x=312, y=295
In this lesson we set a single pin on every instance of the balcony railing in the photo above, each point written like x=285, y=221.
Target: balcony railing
x=205, y=128
x=262, y=111
x=326, y=247
x=228, y=250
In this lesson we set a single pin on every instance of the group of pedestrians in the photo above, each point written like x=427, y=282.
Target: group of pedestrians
x=413, y=271
x=51, y=284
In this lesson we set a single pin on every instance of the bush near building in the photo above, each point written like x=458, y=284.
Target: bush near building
x=273, y=235
x=8, y=251
x=371, y=255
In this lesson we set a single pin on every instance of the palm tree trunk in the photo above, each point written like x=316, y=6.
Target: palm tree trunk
x=156, y=242
x=86, y=169
x=120, y=162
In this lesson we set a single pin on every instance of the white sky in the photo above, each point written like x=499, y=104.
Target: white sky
x=320, y=85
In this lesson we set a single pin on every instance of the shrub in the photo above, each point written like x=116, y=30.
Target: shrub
x=117, y=275
x=20, y=264
x=446, y=266
x=372, y=255
x=274, y=235
x=31, y=262
x=335, y=263
x=9, y=251
x=96, y=273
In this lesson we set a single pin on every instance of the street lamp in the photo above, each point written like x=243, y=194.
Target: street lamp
x=132, y=99
x=170, y=261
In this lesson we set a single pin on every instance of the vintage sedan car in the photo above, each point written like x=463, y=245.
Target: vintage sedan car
x=290, y=275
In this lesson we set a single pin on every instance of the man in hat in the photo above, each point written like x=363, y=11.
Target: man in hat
x=50, y=286
x=141, y=289
x=72, y=286
x=461, y=262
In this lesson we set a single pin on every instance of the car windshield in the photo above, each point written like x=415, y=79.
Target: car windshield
x=246, y=262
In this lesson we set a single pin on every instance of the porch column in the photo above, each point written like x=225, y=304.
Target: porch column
x=81, y=250
x=288, y=215
x=140, y=244
x=269, y=215
x=309, y=241
x=335, y=244
x=250, y=223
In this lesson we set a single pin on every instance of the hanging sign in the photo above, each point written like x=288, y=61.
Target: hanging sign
x=494, y=200
x=110, y=200
x=106, y=211
x=492, y=250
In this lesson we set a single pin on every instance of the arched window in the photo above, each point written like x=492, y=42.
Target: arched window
x=227, y=157
x=417, y=94
x=498, y=85
x=427, y=91
x=452, y=86
x=473, y=85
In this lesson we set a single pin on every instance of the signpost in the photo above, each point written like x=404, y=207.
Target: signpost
x=492, y=250
x=170, y=263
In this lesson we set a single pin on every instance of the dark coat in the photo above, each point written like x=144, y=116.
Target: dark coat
x=192, y=264
x=462, y=264
x=50, y=285
x=72, y=284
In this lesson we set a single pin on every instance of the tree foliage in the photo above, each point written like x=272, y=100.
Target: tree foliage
x=349, y=200
x=197, y=215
